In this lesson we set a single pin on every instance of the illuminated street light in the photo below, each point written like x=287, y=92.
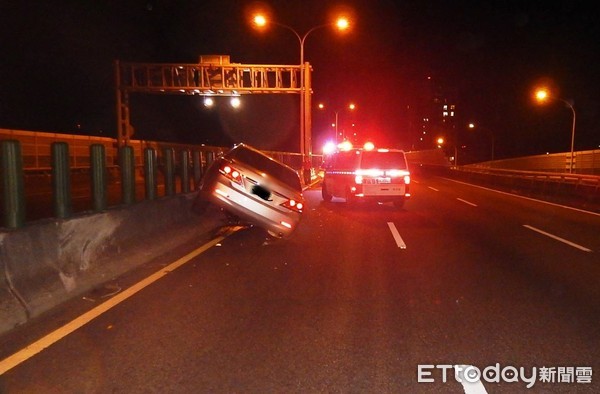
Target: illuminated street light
x=235, y=102
x=351, y=107
x=474, y=126
x=341, y=24
x=542, y=95
x=209, y=102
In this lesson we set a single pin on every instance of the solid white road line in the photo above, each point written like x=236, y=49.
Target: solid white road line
x=466, y=202
x=433, y=188
x=55, y=336
x=396, y=235
x=525, y=198
x=573, y=244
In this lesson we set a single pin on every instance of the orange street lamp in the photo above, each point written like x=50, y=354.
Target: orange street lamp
x=542, y=95
x=342, y=23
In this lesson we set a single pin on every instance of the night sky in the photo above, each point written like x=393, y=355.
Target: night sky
x=57, y=74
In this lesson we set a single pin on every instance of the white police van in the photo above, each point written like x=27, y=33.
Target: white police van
x=380, y=175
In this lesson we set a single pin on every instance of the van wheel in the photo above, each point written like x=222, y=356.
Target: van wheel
x=399, y=203
x=325, y=193
x=350, y=198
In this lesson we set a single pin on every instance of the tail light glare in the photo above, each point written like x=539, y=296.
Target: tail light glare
x=407, y=179
x=231, y=174
x=293, y=205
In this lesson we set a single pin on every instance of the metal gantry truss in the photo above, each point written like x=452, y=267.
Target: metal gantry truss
x=214, y=76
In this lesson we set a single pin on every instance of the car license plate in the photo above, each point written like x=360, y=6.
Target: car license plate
x=261, y=192
x=384, y=180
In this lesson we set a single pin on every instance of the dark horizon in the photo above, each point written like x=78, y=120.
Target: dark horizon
x=57, y=70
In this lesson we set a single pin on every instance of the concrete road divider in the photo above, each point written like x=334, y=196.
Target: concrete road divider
x=47, y=262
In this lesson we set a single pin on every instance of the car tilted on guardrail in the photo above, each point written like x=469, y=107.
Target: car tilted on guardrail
x=367, y=174
x=256, y=188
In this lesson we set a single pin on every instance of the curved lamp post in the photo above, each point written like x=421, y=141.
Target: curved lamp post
x=475, y=126
x=341, y=24
x=350, y=107
x=542, y=95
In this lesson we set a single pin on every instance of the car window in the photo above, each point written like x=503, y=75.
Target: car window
x=264, y=164
x=390, y=160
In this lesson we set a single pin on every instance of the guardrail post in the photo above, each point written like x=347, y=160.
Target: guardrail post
x=210, y=157
x=150, y=173
x=197, y=168
x=99, y=176
x=169, y=155
x=61, y=180
x=127, y=164
x=12, y=184
x=185, y=171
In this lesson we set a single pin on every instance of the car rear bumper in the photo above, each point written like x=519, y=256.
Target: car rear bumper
x=279, y=222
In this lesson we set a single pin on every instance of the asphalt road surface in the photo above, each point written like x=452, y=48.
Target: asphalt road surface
x=364, y=299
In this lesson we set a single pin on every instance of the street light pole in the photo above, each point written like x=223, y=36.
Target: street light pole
x=305, y=132
x=572, y=134
x=493, y=137
x=541, y=95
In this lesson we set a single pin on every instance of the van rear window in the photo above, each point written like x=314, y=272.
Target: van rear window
x=387, y=160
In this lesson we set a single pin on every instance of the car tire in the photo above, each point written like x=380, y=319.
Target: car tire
x=325, y=193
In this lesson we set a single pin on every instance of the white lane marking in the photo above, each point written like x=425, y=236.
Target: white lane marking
x=433, y=188
x=466, y=202
x=396, y=235
x=470, y=387
x=573, y=244
x=55, y=336
x=525, y=198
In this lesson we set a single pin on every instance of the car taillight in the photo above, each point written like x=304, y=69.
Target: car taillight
x=293, y=205
x=231, y=173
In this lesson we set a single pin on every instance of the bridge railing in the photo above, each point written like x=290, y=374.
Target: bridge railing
x=175, y=165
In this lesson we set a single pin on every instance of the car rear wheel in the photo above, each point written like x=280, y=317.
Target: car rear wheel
x=399, y=203
x=325, y=193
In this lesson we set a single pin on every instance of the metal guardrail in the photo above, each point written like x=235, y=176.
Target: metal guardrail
x=28, y=157
x=583, y=180
x=36, y=150
x=584, y=162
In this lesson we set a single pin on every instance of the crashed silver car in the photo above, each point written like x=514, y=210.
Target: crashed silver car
x=256, y=188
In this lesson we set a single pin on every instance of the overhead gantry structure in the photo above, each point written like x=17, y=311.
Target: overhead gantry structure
x=213, y=75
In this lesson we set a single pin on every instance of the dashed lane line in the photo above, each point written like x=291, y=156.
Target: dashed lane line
x=396, y=235
x=466, y=202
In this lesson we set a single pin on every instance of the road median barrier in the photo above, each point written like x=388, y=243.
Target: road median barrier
x=50, y=261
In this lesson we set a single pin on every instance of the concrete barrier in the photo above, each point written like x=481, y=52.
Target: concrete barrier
x=48, y=262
